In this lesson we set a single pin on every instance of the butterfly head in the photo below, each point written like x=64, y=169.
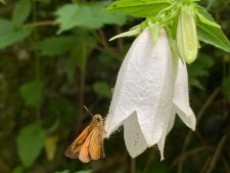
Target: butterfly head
x=98, y=120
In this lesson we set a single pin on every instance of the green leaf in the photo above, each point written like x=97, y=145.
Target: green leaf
x=18, y=170
x=132, y=32
x=56, y=45
x=65, y=171
x=102, y=88
x=84, y=171
x=66, y=17
x=2, y=1
x=139, y=8
x=32, y=92
x=205, y=17
x=200, y=69
x=86, y=15
x=214, y=36
x=9, y=34
x=51, y=147
x=44, y=1
x=226, y=86
x=30, y=143
x=21, y=11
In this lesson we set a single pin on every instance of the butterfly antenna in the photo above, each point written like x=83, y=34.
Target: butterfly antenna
x=88, y=110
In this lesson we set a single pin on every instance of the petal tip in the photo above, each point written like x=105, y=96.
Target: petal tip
x=106, y=134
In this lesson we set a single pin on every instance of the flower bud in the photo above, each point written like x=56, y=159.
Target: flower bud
x=187, y=40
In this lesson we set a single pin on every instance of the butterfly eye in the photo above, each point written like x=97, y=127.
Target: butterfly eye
x=98, y=120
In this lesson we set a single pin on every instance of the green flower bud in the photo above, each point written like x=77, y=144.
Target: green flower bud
x=187, y=40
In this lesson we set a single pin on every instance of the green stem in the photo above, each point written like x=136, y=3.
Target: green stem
x=82, y=81
x=37, y=58
x=217, y=154
x=199, y=117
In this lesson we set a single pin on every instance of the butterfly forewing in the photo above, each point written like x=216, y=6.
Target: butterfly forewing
x=73, y=150
x=96, y=145
x=84, y=155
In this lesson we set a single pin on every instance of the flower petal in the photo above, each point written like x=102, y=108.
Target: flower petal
x=170, y=122
x=134, y=139
x=145, y=85
x=181, y=97
x=113, y=121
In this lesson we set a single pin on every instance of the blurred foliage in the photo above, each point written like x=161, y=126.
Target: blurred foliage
x=55, y=58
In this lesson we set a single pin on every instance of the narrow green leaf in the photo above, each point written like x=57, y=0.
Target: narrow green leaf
x=214, y=36
x=21, y=11
x=205, y=17
x=102, y=88
x=32, y=92
x=139, y=8
x=132, y=32
x=9, y=34
x=30, y=143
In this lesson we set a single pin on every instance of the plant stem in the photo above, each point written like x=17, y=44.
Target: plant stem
x=217, y=154
x=37, y=59
x=199, y=117
x=41, y=23
x=82, y=82
x=133, y=165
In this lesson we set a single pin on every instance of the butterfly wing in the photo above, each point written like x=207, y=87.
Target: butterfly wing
x=73, y=150
x=96, y=148
x=84, y=155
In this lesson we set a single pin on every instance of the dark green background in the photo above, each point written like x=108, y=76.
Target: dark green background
x=46, y=77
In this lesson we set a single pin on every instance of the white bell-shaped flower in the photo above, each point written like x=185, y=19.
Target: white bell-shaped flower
x=146, y=96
